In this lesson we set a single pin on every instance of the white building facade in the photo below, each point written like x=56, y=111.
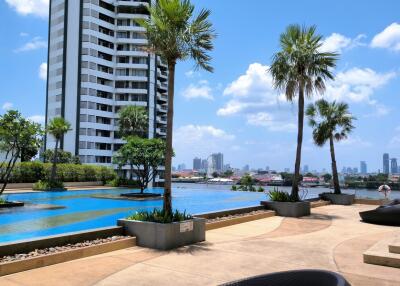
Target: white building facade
x=98, y=63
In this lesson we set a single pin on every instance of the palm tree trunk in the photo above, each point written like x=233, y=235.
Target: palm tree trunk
x=335, y=176
x=167, y=206
x=54, y=167
x=296, y=179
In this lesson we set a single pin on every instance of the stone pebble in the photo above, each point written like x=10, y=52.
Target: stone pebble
x=228, y=217
x=57, y=249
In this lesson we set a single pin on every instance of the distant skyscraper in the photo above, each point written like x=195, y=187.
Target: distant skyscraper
x=305, y=169
x=204, y=165
x=246, y=168
x=386, y=163
x=196, y=164
x=218, y=161
x=181, y=167
x=363, y=167
x=393, y=166
x=267, y=168
x=355, y=170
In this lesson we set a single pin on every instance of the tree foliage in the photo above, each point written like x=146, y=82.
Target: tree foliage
x=57, y=127
x=133, y=121
x=63, y=157
x=144, y=156
x=16, y=134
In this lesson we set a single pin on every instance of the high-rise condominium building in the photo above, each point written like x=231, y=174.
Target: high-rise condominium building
x=97, y=64
x=363, y=167
x=196, y=164
x=218, y=161
x=393, y=166
x=386, y=163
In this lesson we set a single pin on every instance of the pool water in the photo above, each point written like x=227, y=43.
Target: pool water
x=81, y=211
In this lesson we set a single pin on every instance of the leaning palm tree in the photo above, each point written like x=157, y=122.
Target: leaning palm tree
x=300, y=69
x=330, y=122
x=176, y=34
x=57, y=127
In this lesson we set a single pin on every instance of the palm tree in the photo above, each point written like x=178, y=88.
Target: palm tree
x=299, y=68
x=57, y=127
x=133, y=121
x=176, y=35
x=330, y=122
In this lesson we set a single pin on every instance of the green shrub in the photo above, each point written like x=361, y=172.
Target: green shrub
x=260, y=189
x=31, y=172
x=233, y=188
x=159, y=216
x=119, y=182
x=47, y=185
x=2, y=200
x=279, y=196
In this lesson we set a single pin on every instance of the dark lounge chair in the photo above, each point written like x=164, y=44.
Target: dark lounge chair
x=294, y=278
x=388, y=214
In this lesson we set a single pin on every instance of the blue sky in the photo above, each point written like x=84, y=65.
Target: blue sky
x=235, y=110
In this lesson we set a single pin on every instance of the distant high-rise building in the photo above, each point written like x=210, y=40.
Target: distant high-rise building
x=349, y=170
x=246, y=168
x=305, y=169
x=393, y=166
x=363, y=167
x=196, y=164
x=181, y=167
x=355, y=170
x=386, y=163
x=204, y=165
x=287, y=170
x=218, y=161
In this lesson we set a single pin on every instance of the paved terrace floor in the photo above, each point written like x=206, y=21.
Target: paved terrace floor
x=332, y=238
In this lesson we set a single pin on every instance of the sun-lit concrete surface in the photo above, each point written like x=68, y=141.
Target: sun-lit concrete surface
x=332, y=238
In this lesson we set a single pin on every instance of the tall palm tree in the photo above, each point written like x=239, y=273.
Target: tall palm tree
x=300, y=69
x=176, y=34
x=330, y=122
x=133, y=121
x=57, y=127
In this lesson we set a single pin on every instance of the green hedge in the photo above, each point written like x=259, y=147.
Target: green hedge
x=31, y=172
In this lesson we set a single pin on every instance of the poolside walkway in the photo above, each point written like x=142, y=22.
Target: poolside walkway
x=332, y=238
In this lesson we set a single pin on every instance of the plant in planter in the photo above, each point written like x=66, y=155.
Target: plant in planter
x=300, y=69
x=157, y=229
x=331, y=121
x=174, y=34
x=284, y=204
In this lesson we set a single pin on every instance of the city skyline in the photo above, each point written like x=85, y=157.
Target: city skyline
x=226, y=115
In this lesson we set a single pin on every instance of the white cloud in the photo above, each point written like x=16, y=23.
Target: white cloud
x=389, y=38
x=43, y=71
x=200, y=140
x=271, y=122
x=337, y=43
x=354, y=141
x=35, y=44
x=37, y=118
x=30, y=7
x=200, y=90
x=357, y=85
x=7, y=105
x=23, y=34
x=251, y=91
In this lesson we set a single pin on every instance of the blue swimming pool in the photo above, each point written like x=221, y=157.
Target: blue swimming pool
x=81, y=211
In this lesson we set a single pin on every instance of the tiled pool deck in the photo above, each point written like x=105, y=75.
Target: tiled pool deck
x=332, y=238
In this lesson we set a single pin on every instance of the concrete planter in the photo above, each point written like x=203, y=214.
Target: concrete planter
x=165, y=236
x=289, y=209
x=338, y=199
